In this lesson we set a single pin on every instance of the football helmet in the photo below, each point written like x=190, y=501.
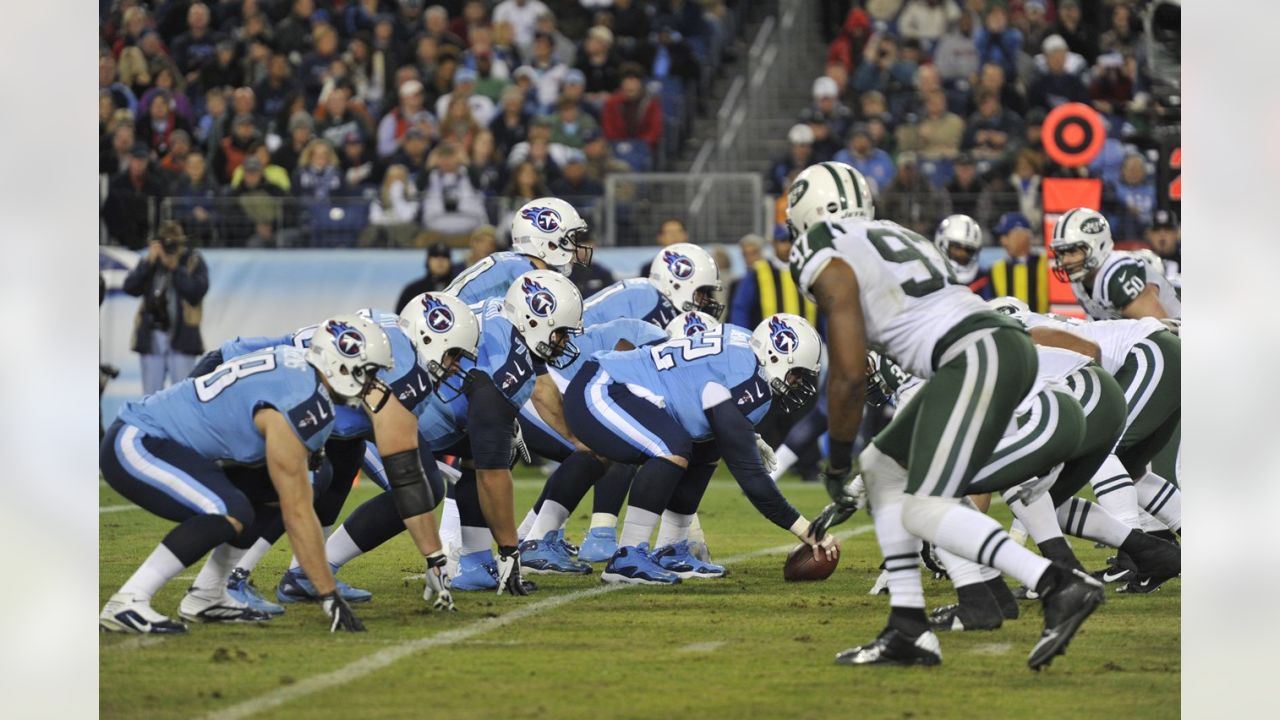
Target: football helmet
x=546, y=309
x=551, y=230
x=349, y=350
x=443, y=330
x=691, y=323
x=1009, y=305
x=959, y=239
x=688, y=276
x=1080, y=230
x=790, y=351
x=828, y=191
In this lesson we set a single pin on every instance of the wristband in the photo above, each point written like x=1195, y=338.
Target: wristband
x=839, y=454
x=799, y=527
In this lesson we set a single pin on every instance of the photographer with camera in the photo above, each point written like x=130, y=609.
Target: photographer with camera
x=171, y=280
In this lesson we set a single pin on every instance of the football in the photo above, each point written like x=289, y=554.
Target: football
x=800, y=565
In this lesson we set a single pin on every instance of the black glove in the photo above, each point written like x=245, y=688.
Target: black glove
x=509, y=572
x=831, y=515
x=340, y=614
x=835, y=481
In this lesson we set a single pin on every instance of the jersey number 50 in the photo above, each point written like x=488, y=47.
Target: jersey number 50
x=224, y=376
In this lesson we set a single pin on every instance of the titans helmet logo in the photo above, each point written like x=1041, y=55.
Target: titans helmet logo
x=679, y=265
x=784, y=339
x=545, y=219
x=348, y=340
x=693, y=324
x=540, y=300
x=439, y=316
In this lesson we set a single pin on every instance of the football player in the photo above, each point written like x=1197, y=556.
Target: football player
x=194, y=452
x=881, y=283
x=1109, y=283
x=675, y=409
x=959, y=238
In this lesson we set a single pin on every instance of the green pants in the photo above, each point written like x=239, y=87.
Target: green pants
x=950, y=428
x=1151, y=378
x=1048, y=434
x=1104, y=413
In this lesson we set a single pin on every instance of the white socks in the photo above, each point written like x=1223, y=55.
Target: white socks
x=522, y=532
x=974, y=536
x=695, y=531
x=212, y=579
x=604, y=520
x=675, y=527
x=293, y=561
x=1160, y=498
x=340, y=549
x=476, y=539
x=901, y=552
x=962, y=572
x=1114, y=490
x=638, y=528
x=786, y=458
x=1082, y=518
x=254, y=555
x=1039, y=518
x=450, y=524
x=161, y=567
x=552, y=516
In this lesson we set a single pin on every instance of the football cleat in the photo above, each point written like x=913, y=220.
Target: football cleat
x=242, y=589
x=960, y=617
x=699, y=549
x=1156, y=562
x=1022, y=592
x=1066, y=606
x=679, y=559
x=599, y=545
x=893, y=647
x=1120, y=569
x=222, y=608
x=549, y=555
x=632, y=565
x=569, y=547
x=295, y=587
x=479, y=571
x=124, y=614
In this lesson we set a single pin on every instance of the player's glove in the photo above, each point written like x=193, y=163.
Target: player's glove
x=835, y=481
x=509, y=572
x=766, y=455
x=438, y=592
x=519, y=450
x=340, y=614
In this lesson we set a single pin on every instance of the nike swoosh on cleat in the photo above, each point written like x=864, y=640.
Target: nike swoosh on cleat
x=1109, y=576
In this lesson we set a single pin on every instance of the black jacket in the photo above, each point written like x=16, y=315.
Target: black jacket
x=171, y=299
x=127, y=211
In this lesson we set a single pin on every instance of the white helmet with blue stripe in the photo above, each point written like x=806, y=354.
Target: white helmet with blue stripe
x=828, y=191
x=688, y=276
x=551, y=230
x=546, y=309
x=961, y=234
x=691, y=323
x=443, y=329
x=349, y=350
x=790, y=352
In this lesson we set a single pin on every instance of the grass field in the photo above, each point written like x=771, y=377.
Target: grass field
x=749, y=646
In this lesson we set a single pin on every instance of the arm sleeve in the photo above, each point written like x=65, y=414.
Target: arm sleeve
x=737, y=440
x=135, y=283
x=191, y=279
x=490, y=424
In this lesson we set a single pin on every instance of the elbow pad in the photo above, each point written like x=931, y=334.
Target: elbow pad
x=409, y=487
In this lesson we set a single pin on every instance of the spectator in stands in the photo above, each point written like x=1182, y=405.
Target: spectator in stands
x=492, y=73
x=1033, y=23
x=927, y=20
x=315, y=64
x=504, y=46
x=194, y=199
x=846, y=48
x=955, y=55
x=170, y=166
x=1055, y=85
x=600, y=160
x=293, y=34
x=131, y=197
x=991, y=80
x=156, y=127
x=670, y=232
x=301, y=132
x=881, y=129
x=510, y=125
x=570, y=124
x=1025, y=273
x=1023, y=182
x=575, y=186
x=599, y=65
x=998, y=43
x=259, y=208
x=121, y=95
x=356, y=164
x=464, y=85
x=562, y=48
x=874, y=163
x=964, y=188
x=168, y=79
x=910, y=200
x=409, y=113
x=439, y=80
x=1079, y=38
x=172, y=281
x=935, y=136
x=487, y=172
x=1166, y=240
x=474, y=16
x=275, y=90
x=526, y=183
x=413, y=155
x=224, y=69
x=1113, y=83
x=337, y=116
x=393, y=212
x=451, y=206
x=523, y=16
x=133, y=71
x=1131, y=202
x=824, y=145
x=318, y=176
x=668, y=55
x=548, y=72
x=828, y=109
x=213, y=125
x=881, y=69
x=458, y=125
x=114, y=156
x=632, y=113
x=436, y=26
x=441, y=270
x=631, y=19
x=991, y=132
x=1124, y=35
x=574, y=89
x=195, y=48
x=798, y=157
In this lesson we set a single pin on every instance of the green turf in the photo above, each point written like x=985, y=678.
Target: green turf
x=749, y=645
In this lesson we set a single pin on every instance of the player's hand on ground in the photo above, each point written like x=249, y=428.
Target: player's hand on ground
x=438, y=593
x=766, y=455
x=340, y=615
x=826, y=544
x=509, y=572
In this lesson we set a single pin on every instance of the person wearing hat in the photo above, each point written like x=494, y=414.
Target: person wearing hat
x=1165, y=238
x=234, y=148
x=271, y=173
x=441, y=270
x=302, y=129
x=1024, y=274
x=410, y=112
x=875, y=164
x=464, y=85
x=599, y=64
x=574, y=88
x=130, y=198
x=570, y=124
x=1055, y=83
x=574, y=185
x=798, y=157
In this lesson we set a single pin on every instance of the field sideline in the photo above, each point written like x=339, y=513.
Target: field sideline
x=750, y=644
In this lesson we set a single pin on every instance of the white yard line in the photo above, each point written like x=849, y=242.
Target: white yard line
x=381, y=659
x=115, y=508
x=702, y=647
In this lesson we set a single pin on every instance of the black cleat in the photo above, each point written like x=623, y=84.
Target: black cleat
x=1066, y=606
x=1024, y=593
x=1005, y=598
x=1157, y=561
x=960, y=617
x=1120, y=569
x=892, y=647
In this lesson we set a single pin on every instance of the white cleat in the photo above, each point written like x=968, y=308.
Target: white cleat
x=196, y=606
x=124, y=614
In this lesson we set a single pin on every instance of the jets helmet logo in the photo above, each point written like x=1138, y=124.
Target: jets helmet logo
x=540, y=300
x=348, y=340
x=679, y=265
x=798, y=189
x=545, y=219
x=693, y=324
x=784, y=339
x=1092, y=225
x=439, y=316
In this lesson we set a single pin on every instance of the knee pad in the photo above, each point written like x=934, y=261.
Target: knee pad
x=921, y=515
x=885, y=479
x=409, y=487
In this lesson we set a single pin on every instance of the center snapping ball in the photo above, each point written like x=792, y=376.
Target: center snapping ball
x=800, y=565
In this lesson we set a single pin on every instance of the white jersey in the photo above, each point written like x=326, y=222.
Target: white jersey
x=1121, y=278
x=1115, y=338
x=907, y=290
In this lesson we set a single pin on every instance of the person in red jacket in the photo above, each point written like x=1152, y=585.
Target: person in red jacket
x=632, y=113
x=846, y=49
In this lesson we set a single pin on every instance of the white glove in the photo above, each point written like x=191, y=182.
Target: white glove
x=519, y=449
x=438, y=592
x=857, y=489
x=766, y=455
x=509, y=580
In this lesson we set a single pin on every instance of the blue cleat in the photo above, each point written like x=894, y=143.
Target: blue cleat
x=680, y=560
x=242, y=589
x=599, y=545
x=632, y=565
x=549, y=555
x=479, y=571
x=569, y=547
x=295, y=587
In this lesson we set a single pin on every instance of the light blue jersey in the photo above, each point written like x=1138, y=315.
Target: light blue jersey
x=504, y=356
x=604, y=338
x=408, y=381
x=687, y=376
x=633, y=298
x=490, y=277
x=213, y=414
